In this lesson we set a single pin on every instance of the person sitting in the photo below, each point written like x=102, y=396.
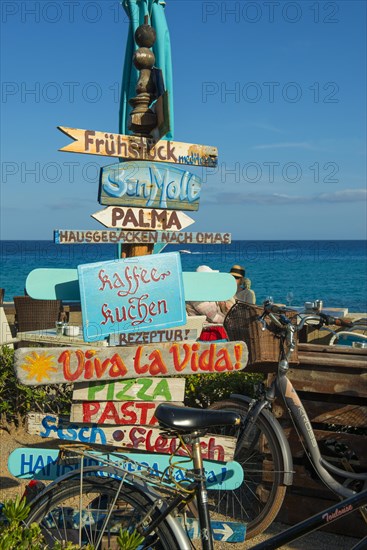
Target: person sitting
x=212, y=310
x=244, y=292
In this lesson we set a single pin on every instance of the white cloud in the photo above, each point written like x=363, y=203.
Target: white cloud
x=286, y=145
x=347, y=195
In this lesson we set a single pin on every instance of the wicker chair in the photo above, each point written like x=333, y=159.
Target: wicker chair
x=33, y=314
x=2, y=292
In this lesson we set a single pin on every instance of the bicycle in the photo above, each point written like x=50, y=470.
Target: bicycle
x=262, y=447
x=91, y=505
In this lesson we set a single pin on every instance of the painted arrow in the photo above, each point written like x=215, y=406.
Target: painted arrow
x=222, y=531
x=139, y=148
x=142, y=218
x=42, y=463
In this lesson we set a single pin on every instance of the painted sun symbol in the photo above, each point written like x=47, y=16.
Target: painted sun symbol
x=39, y=366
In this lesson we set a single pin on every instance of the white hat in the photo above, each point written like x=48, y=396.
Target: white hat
x=206, y=269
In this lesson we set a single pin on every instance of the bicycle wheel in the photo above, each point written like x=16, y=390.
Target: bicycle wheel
x=258, y=500
x=92, y=513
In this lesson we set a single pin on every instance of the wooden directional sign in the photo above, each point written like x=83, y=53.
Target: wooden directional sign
x=223, y=531
x=131, y=437
x=190, y=331
x=154, y=336
x=37, y=366
x=142, y=389
x=139, y=148
x=125, y=413
x=117, y=236
x=142, y=218
x=44, y=464
x=149, y=185
x=131, y=295
x=63, y=284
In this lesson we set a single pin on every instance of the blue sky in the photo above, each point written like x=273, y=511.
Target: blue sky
x=279, y=87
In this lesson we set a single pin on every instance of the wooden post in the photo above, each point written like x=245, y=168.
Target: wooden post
x=132, y=250
x=142, y=119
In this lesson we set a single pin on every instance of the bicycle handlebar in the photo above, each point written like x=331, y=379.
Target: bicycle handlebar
x=338, y=321
x=271, y=309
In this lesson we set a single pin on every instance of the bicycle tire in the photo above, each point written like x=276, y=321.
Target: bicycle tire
x=59, y=514
x=258, y=500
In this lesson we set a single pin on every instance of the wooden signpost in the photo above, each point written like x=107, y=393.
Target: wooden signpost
x=139, y=303
x=139, y=148
x=149, y=185
x=44, y=464
x=37, y=366
x=63, y=284
x=119, y=236
x=142, y=218
x=131, y=295
x=143, y=438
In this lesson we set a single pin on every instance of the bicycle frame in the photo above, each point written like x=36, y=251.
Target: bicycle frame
x=325, y=517
x=299, y=417
x=282, y=387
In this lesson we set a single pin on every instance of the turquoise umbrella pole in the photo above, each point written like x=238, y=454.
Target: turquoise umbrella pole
x=137, y=10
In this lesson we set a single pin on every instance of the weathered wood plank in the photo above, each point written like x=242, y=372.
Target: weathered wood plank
x=154, y=336
x=37, y=366
x=116, y=236
x=334, y=350
x=329, y=413
x=131, y=295
x=190, y=331
x=334, y=361
x=138, y=148
x=140, y=389
x=329, y=382
x=44, y=464
x=133, y=437
x=127, y=413
x=149, y=185
x=142, y=218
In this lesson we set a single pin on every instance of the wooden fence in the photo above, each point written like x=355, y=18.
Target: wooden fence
x=332, y=384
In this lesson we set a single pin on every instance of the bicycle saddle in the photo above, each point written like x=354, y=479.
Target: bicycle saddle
x=188, y=418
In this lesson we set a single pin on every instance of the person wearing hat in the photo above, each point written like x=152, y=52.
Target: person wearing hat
x=212, y=310
x=244, y=292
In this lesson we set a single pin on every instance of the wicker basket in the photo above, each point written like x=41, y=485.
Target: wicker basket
x=241, y=323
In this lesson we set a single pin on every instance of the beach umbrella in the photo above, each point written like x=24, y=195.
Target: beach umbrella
x=137, y=10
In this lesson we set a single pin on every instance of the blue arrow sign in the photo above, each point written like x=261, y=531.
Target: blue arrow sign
x=149, y=185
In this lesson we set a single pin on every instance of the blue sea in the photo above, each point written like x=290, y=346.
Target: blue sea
x=332, y=271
